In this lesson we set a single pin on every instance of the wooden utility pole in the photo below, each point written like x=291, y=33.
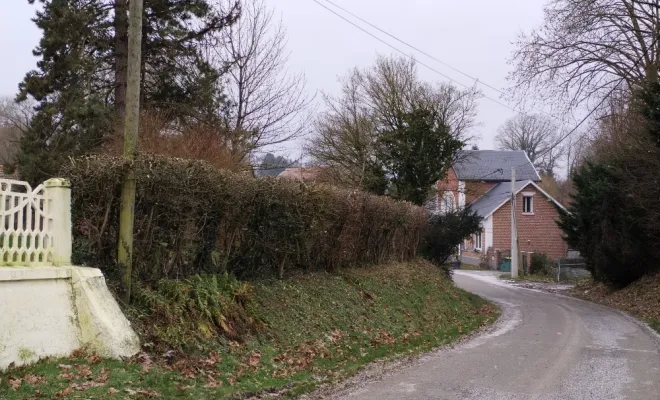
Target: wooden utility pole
x=514, y=228
x=127, y=212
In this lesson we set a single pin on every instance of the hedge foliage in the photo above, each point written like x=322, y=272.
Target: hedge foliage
x=192, y=218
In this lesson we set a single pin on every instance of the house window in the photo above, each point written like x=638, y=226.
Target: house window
x=528, y=204
x=477, y=241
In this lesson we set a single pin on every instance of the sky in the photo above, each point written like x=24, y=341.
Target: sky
x=474, y=36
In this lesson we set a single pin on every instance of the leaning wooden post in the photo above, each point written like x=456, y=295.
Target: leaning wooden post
x=127, y=211
x=58, y=195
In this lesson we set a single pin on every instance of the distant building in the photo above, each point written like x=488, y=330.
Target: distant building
x=305, y=174
x=482, y=179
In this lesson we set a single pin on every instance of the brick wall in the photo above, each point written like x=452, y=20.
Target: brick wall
x=476, y=189
x=449, y=183
x=473, y=189
x=536, y=233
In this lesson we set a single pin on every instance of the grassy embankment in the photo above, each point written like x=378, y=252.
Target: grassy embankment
x=641, y=298
x=311, y=329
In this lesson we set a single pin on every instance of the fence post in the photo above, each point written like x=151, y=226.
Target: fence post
x=558, y=269
x=58, y=194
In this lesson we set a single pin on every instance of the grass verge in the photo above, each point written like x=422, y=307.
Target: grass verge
x=469, y=267
x=529, y=278
x=312, y=329
x=641, y=298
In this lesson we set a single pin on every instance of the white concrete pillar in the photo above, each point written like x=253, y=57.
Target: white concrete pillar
x=58, y=195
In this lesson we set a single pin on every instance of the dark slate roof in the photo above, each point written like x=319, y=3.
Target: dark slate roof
x=494, y=165
x=499, y=193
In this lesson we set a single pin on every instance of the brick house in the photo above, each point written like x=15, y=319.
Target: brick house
x=482, y=179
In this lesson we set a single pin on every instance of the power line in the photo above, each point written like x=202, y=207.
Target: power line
x=477, y=80
x=409, y=56
x=413, y=47
x=595, y=108
x=564, y=137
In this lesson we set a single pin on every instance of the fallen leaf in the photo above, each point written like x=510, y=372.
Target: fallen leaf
x=64, y=392
x=145, y=361
x=213, y=383
x=64, y=367
x=83, y=371
x=93, y=359
x=213, y=359
x=67, y=375
x=113, y=390
x=254, y=359
x=103, y=375
x=78, y=353
x=15, y=383
x=34, y=379
x=189, y=373
x=149, y=393
x=86, y=385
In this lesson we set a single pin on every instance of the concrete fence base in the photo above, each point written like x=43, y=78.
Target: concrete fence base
x=52, y=311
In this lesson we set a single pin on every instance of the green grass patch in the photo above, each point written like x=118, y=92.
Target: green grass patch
x=469, y=267
x=530, y=278
x=655, y=324
x=298, y=333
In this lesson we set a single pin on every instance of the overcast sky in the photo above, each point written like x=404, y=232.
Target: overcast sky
x=474, y=36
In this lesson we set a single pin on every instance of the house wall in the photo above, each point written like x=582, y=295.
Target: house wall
x=470, y=190
x=447, y=187
x=476, y=189
x=488, y=232
x=450, y=183
x=536, y=233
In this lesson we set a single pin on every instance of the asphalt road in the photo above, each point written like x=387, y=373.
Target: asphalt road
x=545, y=347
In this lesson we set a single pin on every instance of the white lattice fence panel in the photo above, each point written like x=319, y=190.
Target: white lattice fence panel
x=26, y=228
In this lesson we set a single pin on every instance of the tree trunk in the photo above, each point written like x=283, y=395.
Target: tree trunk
x=121, y=64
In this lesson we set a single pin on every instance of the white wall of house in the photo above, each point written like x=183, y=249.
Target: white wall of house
x=461, y=194
x=488, y=234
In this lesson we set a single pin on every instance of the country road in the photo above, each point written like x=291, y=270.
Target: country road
x=545, y=347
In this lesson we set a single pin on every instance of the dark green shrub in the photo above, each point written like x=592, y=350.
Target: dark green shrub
x=607, y=227
x=445, y=232
x=539, y=263
x=192, y=218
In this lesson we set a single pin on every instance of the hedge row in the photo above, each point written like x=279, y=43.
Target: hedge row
x=192, y=218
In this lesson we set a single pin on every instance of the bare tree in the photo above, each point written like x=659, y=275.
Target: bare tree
x=267, y=104
x=375, y=99
x=584, y=48
x=537, y=135
x=14, y=122
x=346, y=135
x=576, y=149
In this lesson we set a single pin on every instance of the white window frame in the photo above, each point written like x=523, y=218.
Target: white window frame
x=530, y=196
x=478, y=241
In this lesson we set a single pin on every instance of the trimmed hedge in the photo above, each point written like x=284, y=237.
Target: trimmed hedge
x=193, y=218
